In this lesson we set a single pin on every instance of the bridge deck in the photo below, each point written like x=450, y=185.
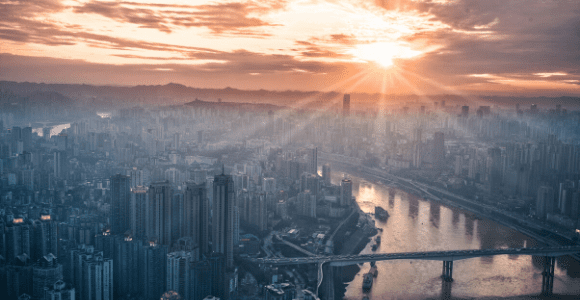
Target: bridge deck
x=431, y=255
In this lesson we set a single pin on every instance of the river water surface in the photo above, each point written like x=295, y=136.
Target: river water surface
x=416, y=224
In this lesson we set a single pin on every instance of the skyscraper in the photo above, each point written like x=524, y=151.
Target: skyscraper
x=326, y=174
x=126, y=257
x=258, y=211
x=98, y=278
x=62, y=142
x=153, y=270
x=196, y=215
x=565, y=192
x=60, y=291
x=269, y=185
x=139, y=177
x=223, y=217
x=27, y=138
x=160, y=210
x=120, y=204
x=439, y=151
x=313, y=161
x=544, y=201
x=346, y=105
x=177, y=214
x=138, y=219
x=178, y=272
x=92, y=274
x=17, y=238
x=44, y=233
x=200, y=279
x=60, y=164
x=345, y=192
x=44, y=274
x=495, y=172
x=217, y=264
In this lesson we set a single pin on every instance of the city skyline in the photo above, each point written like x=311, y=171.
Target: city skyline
x=289, y=149
x=460, y=47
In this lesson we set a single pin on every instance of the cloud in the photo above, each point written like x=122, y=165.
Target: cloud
x=221, y=18
x=282, y=72
x=510, y=39
x=344, y=39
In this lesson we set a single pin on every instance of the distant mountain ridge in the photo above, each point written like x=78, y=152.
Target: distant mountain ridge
x=110, y=97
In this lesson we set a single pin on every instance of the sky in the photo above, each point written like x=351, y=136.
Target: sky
x=464, y=47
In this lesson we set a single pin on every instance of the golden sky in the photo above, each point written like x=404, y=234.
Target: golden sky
x=518, y=47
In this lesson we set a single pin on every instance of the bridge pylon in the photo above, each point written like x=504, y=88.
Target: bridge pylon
x=447, y=273
x=548, y=276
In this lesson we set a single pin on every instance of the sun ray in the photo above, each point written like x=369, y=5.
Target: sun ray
x=239, y=135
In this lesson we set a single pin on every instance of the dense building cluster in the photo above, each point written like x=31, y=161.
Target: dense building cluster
x=144, y=203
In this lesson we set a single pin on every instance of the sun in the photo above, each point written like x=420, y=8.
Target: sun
x=383, y=53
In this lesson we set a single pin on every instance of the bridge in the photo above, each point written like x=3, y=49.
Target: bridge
x=447, y=257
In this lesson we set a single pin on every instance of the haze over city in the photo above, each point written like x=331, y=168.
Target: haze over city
x=289, y=150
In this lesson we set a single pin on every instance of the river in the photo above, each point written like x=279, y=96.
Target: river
x=416, y=224
x=54, y=129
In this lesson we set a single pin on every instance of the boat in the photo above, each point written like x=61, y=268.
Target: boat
x=367, y=281
x=378, y=240
x=374, y=271
x=381, y=213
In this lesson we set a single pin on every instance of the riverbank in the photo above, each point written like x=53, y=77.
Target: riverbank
x=429, y=224
x=542, y=235
x=354, y=244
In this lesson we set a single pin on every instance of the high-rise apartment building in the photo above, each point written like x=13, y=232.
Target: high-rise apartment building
x=326, y=175
x=45, y=273
x=196, y=215
x=44, y=235
x=178, y=273
x=60, y=164
x=544, y=201
x=495, y=170
x=177, y=214
x=439, y=151
x=139, y=177
x=97, y=278
x=258, y=215
x=138, y=211
x=60, y=291
x=160, y=212
x=17, y=236
x=200, y=279
x=223, y=217
x=120, y=204
x=313, y=161
x=92, y=274
x=345, y=192
x=269, y=185
x=153, y=270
